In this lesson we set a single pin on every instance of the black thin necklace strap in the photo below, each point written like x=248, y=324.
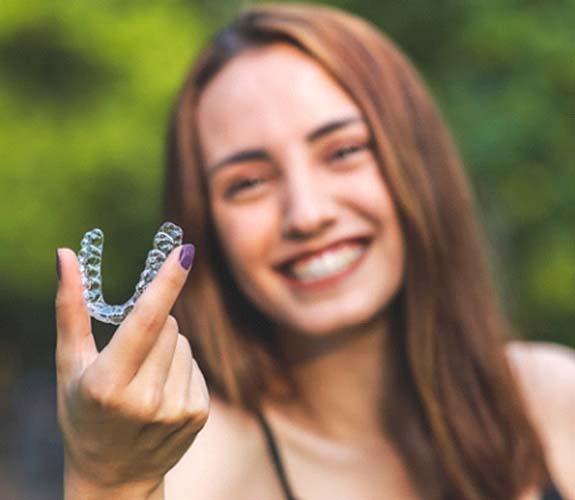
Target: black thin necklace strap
x=272, y=446
x=551, y=493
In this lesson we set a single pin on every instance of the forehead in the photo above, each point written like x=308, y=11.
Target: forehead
x=267, y=96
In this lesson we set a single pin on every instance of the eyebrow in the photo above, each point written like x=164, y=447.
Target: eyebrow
x=331, y=126
x=261, y=154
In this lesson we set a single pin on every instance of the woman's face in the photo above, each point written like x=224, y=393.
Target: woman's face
x=302, y=211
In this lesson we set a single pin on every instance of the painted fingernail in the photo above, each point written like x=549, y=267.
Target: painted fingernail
x=187, y=255
x=58, y=269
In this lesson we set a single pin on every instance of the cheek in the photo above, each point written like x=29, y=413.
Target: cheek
x=372, y=197
x=247, y=233
x=367, y=190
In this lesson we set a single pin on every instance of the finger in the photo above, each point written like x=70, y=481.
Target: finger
x=198, y=395
x=196, y=403
x=195, y=416
x=174, y=398
x=138, y=333
x=169, y=408
x=179, y=399
x=178, y=382
x=154, y=371
x=75, y=344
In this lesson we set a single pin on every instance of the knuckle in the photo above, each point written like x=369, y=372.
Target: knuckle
x=62, y=361
x=65, y=301
x=184, y=346
x=149, y=404
x=171, y=323
x=147, y=320
x=200, y=418
x=175, y=418
x=197, y=415
x=61, y=354
x=61, y=299
x=101, y=395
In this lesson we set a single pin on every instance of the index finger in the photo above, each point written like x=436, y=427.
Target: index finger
x=138, y=333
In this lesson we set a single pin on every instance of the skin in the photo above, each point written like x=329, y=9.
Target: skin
x=297, y=199
x=129, y=412
x=300, y=195
x=269, y=100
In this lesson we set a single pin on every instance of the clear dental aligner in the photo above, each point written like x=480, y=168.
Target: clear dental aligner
x=168, y=237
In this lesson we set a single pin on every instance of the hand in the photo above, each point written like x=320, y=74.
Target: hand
x=129, y=412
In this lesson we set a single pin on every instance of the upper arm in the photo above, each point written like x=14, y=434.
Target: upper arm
x=546, y=376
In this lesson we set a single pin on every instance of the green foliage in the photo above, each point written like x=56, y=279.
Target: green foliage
x=86, y=89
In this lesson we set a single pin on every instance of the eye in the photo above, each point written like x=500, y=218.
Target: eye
x=243, y=185
x=347, y=151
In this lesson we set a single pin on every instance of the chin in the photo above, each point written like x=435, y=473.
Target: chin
x=335, y=324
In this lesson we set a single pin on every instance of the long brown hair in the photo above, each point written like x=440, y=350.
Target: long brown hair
x=452, y=408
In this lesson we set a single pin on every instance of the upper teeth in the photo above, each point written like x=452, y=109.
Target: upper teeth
x=326, y=264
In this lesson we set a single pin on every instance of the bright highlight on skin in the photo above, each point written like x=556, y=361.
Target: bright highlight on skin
x=168, y=237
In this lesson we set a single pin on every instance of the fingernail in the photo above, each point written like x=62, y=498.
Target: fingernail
x=58, y=269
x=187, y=255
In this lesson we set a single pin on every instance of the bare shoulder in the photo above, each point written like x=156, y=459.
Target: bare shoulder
x=546, y=371
x=546, y=375
x=228, y=458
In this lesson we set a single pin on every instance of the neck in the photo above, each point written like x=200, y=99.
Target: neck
x=339, y=377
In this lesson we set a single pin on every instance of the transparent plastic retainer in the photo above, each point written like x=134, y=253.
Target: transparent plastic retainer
x=168, y=237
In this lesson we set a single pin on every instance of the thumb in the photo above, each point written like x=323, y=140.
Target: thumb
x=75, y=345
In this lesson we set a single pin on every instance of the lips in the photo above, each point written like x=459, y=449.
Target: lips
x=325, y=264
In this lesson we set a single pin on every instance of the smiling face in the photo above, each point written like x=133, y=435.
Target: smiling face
x=300, y=206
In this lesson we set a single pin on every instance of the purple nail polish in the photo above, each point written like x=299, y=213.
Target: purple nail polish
x=187, y=256
x=58, y=269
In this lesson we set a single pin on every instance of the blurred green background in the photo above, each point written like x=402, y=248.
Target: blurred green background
x=85, y=93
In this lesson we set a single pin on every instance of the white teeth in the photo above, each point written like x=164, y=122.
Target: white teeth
x=327, y=264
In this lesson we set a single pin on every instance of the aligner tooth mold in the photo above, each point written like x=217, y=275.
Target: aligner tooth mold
x=168, y=237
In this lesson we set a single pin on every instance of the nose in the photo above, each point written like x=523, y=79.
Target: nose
x=308, y=207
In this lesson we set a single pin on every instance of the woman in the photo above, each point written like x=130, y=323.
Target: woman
x=340, y=303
